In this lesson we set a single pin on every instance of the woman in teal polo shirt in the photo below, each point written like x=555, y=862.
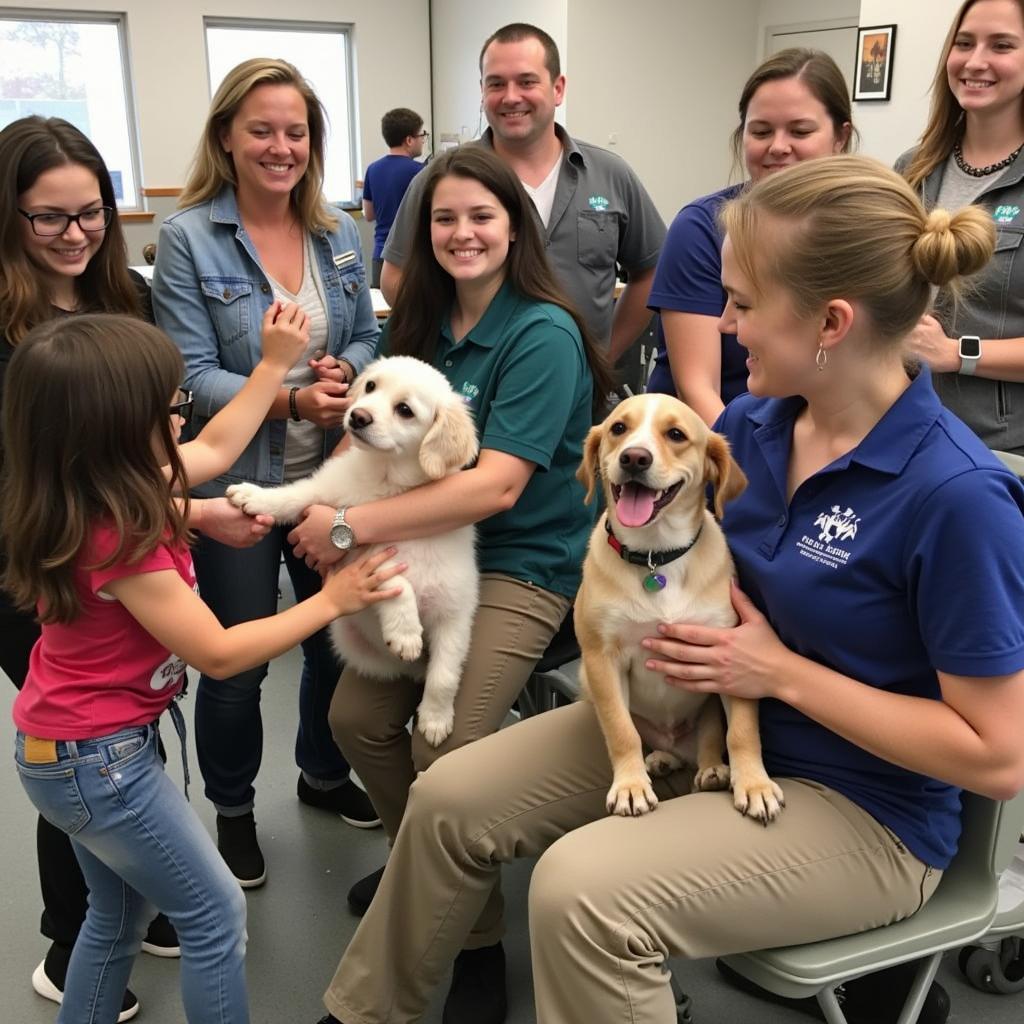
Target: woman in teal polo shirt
x=478, y=301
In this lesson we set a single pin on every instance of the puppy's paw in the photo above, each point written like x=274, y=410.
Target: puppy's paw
x=406, y=644
x=757, y=797
x=631, y=796
x=436, y=726
x=660, y=763
x=250, y=498
x=712, y=778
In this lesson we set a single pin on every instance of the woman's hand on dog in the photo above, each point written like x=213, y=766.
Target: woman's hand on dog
x=747, y=660
x=323, y=403
x=311, y=538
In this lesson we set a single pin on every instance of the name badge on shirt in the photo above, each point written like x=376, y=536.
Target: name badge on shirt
x=343, y=259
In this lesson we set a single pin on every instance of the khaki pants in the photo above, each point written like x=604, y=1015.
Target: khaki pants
x=612, y=897
x=514, y=624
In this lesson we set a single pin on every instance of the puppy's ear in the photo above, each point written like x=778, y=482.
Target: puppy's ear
x=451, y=442
x=590, y=467
x=723, y=472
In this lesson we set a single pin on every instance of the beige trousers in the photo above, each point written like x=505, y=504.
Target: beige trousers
x=514, y=624
x=612, y=897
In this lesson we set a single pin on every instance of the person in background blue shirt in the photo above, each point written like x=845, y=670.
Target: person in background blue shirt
x=386, y=179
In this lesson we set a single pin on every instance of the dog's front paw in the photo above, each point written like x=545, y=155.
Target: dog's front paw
x=713, y=778
x=250, y=498
x=631, y=795
x=757, y=797
x=405, y=644
x=436, y=726
x=660, y=763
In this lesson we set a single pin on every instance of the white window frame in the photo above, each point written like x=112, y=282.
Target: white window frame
x=343, y=29
x=120, y=20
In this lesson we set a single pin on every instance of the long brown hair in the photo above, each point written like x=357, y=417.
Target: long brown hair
x=825, y=82
x=850, y=227
x=84, y=398
x=212, y=168
x=427, y=291
x=945, y=117
x=29, y=147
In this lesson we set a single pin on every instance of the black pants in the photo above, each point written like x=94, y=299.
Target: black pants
x=60, y=877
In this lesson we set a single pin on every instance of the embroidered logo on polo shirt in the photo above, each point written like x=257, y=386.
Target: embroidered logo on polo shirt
x=598, y=203
x=835, y=526
x=469, y=391
x=1005, y=214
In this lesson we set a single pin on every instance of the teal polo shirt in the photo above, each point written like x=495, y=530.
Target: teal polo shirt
x=523, y=373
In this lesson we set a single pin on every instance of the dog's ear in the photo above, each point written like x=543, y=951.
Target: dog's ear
x=451, y=442
x=723, y=472
x=590, y=467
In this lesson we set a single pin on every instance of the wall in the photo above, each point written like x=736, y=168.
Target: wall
x=662, y=82
x=168, y=57
x=801, y=12
x=889, y=128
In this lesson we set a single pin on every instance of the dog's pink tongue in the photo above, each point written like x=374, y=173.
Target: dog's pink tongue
x=635, y=505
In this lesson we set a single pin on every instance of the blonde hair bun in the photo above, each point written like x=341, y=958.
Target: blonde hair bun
x=953, y=245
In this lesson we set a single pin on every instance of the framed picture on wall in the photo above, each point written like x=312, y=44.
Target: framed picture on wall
x=872, y=77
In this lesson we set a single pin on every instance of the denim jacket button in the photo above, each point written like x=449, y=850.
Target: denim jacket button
x=354, y=287
x=227, y=293
x=265, y=288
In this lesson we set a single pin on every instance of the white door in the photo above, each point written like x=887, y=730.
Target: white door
x=839, y=43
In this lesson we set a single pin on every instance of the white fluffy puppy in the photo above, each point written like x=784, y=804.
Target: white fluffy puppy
x=407, y=427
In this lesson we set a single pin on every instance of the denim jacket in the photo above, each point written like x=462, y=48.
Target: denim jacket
x=210, y=294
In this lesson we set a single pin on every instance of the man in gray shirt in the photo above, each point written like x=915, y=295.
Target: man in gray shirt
x=593, y=210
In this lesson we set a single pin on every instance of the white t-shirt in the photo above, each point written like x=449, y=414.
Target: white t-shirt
x=543, y=195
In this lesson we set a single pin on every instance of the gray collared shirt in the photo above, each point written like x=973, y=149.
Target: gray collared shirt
x=601, y=216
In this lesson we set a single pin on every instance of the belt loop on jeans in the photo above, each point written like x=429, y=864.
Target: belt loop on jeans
x=71, y=746
x=179, y=727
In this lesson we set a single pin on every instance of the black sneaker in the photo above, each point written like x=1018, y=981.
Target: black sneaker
x=48, y=981
x=360, y=896
x=161, y=939
x=348, y=800
x=874, y=999
x=477, y=994
x=236, y=841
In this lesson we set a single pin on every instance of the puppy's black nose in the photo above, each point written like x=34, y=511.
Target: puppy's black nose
x=359, y=419
x=635, y=460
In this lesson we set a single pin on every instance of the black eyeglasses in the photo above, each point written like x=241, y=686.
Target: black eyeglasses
x=49, y=224
x=422, y=135
x=182, y=405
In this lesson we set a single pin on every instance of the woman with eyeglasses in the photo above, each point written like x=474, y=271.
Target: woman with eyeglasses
x=62, y=252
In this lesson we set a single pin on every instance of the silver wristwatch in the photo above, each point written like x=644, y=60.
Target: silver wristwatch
x=342, y=535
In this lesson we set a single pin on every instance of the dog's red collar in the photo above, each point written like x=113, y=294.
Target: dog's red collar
x=650, y=559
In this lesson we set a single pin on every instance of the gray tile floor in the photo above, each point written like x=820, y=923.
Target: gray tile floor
x=299, y=923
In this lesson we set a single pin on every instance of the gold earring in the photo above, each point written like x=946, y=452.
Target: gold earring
x=821, y=359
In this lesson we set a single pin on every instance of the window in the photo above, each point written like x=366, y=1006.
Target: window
x=73, y=66
x=323, y=54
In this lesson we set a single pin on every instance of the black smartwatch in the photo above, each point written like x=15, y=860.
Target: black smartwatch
x=970, y=353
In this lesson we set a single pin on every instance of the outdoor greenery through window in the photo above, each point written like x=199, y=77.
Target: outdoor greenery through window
x=73, y=68
x=321, y=53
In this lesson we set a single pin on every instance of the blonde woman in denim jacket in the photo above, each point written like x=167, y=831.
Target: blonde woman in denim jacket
x=255, y=228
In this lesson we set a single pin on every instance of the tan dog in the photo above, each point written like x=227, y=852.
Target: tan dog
x=658, y=555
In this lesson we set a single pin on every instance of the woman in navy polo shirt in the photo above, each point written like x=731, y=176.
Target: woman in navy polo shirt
x=881, y=629
x=794, y=107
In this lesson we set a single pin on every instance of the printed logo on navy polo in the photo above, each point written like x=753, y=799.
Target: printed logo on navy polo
x=1005, y=214
x=598, y=203
x=835, y=527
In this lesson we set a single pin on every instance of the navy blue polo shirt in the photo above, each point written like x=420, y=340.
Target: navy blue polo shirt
x=903, y=557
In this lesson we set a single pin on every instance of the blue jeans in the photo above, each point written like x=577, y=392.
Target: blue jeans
x=141, y=848
x=240, y=585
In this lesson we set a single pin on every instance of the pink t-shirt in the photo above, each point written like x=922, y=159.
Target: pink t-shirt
x=102, y=672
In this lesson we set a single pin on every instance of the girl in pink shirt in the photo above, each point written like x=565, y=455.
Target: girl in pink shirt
x=96, y=540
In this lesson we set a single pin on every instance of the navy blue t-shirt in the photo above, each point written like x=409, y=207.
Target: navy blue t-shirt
x=384, y=184
x=688, y=279
x=902, y=557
